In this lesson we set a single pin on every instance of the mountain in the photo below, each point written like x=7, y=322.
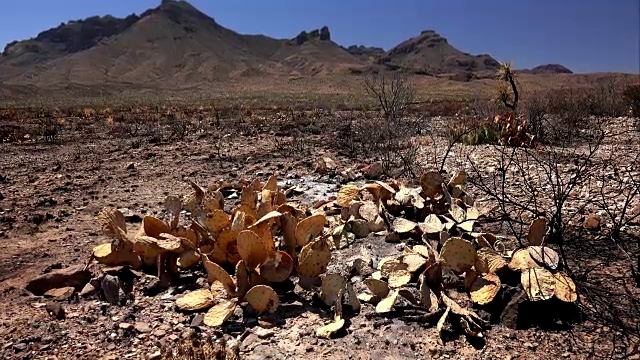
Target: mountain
x=547, y=69
x=431, y=54
x=365, y=53
x=171, y=45
x=314, y=53
x=68, y=38
x=175, y=46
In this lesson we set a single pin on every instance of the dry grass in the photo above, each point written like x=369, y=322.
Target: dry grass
x=324, y=92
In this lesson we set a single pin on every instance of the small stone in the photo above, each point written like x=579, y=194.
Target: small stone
x=264, y=333
x=20, y=347
x=159, y=333
x=88, y=290
x=373, y=171
x=74, y=276
x=592, y=222
x=111, y=289
x=155, y=355
x=125, y=326
x=248, y=341
x=60, y=293
x=197, y=320
x=143, y=327
x=55, y=310
x=131, y=166
x=360, y=228
x=392, y=237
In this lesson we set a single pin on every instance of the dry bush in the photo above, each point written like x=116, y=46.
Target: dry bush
x=389, y=138
x=606, y=98
x=562, y=183
x=392, y=92
x=177, y=127
x=391, y=142
x=128, y=126
x=49, y=129
x=631, y=96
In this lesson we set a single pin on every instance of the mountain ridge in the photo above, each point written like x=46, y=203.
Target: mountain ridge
x=175, y=44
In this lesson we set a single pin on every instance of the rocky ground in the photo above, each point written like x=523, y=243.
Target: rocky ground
x=51, y=193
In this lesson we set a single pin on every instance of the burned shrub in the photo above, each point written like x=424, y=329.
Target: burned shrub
x=631, y=96
x=49, y=129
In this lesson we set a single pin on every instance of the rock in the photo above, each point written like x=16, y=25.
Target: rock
x=325, y=165
x=131, y=166
x=61, y=293
x=55, y=310
x=511, y=316
x=125, y=326
x=142, y=327
x=89, y=290
x=264, y=333
x=592, y=222
x=73, y=276
x=377, y=224
x=154, y=356
x=373, y=171
x=360, y=228
x=348, y=175
x=249, y=341
x=392, y=237
x=325, y=35
x=110, y=286
x=20, y=347
x=197, y=320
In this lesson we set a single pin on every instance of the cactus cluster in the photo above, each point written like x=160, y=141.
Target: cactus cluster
x=506, y=129
x=440, y=216
x=264, y=240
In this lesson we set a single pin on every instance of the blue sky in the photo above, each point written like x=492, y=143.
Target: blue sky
x=584, y=35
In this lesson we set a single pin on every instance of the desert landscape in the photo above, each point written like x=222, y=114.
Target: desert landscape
x=173, y=189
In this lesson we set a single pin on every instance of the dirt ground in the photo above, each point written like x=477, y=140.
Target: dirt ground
x=51, y=193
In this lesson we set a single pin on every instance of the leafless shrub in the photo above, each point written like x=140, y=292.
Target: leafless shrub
x=177, y=127
x=631, y=95
x=606, y=98
x=536, y=112
x=526, y=183
x=221, y=138
x=391, y=142
x=392, y=92
x=563, y=182
x=49, y=129
x=388, y=138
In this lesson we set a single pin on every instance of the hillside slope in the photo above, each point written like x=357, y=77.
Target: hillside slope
x=172, y=45
x=431, y=54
